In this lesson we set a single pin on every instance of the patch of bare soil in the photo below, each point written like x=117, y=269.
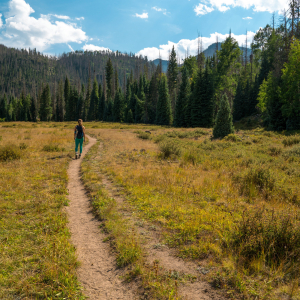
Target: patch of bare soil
x=97, y=273
x=156, y=250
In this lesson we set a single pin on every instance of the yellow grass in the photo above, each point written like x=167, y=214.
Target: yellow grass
x=37, y=260
x=202, y=196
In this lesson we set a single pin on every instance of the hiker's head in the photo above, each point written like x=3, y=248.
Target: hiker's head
x=80, y=122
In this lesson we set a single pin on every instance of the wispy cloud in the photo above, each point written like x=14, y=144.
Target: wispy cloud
x=79, y=19
x=61, y=17
x=72, y=50
x=142, y=16
x=163, y=10
x=247, y=18
x=1, y=22
x=202, y=9
x=256, y=5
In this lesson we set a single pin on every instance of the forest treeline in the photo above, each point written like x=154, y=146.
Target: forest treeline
x=135, y=91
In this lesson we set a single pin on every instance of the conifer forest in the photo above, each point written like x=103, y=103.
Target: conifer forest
x=121, y=87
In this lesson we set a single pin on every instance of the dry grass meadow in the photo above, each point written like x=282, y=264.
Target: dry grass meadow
x=231, y=206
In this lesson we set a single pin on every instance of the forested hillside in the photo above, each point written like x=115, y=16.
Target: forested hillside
x=124, y=88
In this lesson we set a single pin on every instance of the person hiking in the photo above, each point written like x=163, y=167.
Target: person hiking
x=79, y=137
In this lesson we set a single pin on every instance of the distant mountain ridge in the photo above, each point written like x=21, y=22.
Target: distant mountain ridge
x=210, y=51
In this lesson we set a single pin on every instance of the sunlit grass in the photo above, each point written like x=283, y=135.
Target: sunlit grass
x=201, y=194
x=37, y=260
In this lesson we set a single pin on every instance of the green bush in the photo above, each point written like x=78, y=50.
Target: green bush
x=0, y=138
x=169, y=149
x=291, y=140
x=273, y=236
x=52, y=148
x=232, y=138
x=191, y=156
x=144, y=136
x=2, y=119
x=10, y=152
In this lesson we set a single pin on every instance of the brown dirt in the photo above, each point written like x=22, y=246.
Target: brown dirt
x=152, y=242
x=97, y=273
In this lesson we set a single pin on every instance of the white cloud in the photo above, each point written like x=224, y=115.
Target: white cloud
x=61, y=17
x=91, y=47
x=163, y=10
x=142, y=16
x=256, y=5
x=202, y=9
x=79, y=19
x=190, y=46
x=23, y=31
x=247, y=18
x=1, y=22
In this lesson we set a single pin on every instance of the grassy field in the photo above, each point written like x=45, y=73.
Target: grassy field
x=37, y=260
x=231, y=205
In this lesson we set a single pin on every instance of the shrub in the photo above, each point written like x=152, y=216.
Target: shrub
x=232, y=138
x=273, y=236
x=191, y=156
x=295, y=151
x=0, y=138
x=23, y=146
x=10, y=152
x=2, y=119
x=144, y=136
x=275, y=151
x=159, y=138
x=257, y=179
x=291, y=140
x=169, y=149
x=52, y=148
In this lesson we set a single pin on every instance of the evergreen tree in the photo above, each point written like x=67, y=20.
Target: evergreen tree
x=182, y=101
x=172, y=74
x=129, y=116
x=92, y=115
x=45, y=105
x=26, y=108
x=3, y=108
x=163, y=110
x=118, y=108
x=153, y=97
x=87, y=101
x=67, y=96
x=224, y=125
x=139, y=105
x=109, y=78
x=108, y=112
x=238, y=110
x=33, y=110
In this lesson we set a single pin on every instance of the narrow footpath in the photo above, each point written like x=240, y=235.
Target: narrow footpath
x=97, y=272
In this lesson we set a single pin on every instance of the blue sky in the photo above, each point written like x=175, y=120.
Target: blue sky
x=143, y=27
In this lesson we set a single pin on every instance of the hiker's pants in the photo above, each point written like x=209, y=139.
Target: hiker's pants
x=79, y=142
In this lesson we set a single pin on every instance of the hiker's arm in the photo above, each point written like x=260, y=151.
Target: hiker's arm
x=75, y=133
x=83, y=129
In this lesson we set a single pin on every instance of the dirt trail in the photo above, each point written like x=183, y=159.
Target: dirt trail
x=97, y=273
x=152, y=242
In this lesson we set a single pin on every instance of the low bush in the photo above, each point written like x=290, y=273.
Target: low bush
x=0, y=138
x=23, y=146
x=2, y=119
x=272, y=236
x=293, y=152
x=291, y=140
x=144, y=136
x=275, y=151
x=169, y=149
x=52, y=148
x=10, y=152
x=258, y=179
x=232, y=138
x=191, y=156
